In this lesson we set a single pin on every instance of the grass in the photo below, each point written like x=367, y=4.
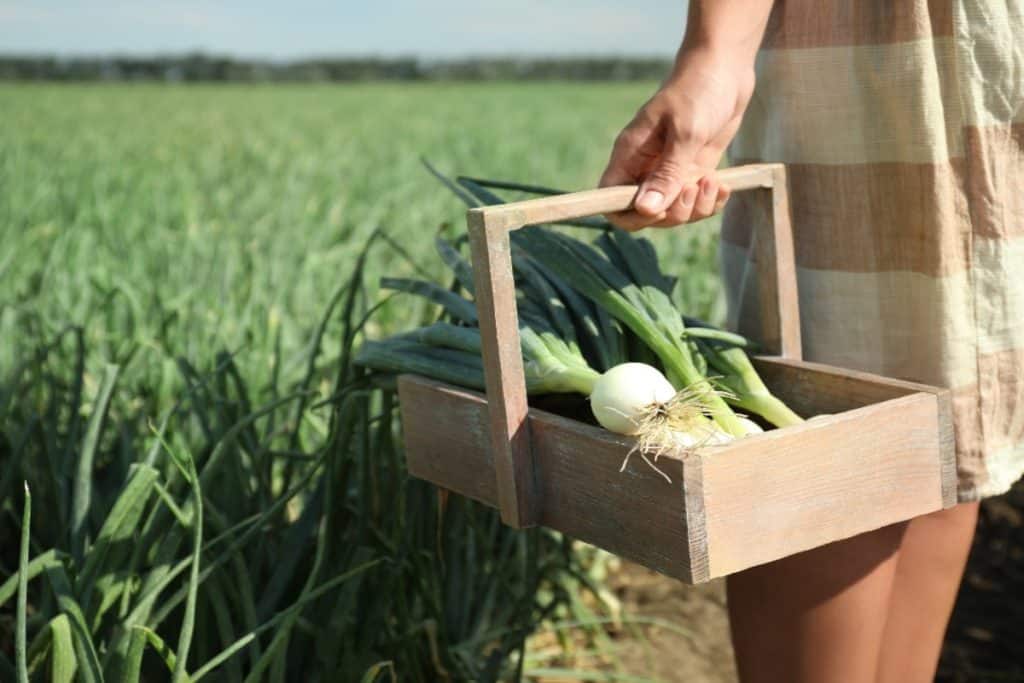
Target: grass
x=216, y=492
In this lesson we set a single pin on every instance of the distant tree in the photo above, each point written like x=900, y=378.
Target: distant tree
x=204, y=67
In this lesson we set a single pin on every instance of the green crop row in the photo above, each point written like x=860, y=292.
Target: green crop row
x=215, y=491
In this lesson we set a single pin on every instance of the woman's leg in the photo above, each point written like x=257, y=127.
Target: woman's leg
x=816, y=617
x=931, y=562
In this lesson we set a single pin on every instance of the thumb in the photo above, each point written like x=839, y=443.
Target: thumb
x=660, y=189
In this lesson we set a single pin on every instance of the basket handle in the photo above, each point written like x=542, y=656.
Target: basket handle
x=518, y=493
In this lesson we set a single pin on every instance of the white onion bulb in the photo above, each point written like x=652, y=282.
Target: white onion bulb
x=749, y=426
x=621, y=395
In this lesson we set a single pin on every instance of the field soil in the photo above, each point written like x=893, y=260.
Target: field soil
x=703, y=655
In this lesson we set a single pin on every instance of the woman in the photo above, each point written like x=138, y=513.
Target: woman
x=902, y=125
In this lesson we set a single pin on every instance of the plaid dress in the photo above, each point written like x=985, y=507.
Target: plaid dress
x=902, y=126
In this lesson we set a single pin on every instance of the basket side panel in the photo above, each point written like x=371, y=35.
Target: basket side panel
x=812, y=388
x=446, y=437
x=634, y=513
x=834, y=477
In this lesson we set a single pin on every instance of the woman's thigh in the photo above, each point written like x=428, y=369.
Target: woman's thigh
x=931, y=563
x=819, y=616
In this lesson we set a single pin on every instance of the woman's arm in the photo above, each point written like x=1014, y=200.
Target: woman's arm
x=673, y=144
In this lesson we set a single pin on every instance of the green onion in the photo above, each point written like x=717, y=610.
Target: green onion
x=629, y=398
x=644, y=309
x=594, y=319
x=744, y=387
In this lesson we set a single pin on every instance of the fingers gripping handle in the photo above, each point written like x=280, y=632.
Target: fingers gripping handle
x=518, y=490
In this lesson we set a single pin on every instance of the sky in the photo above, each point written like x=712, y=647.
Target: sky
x=430, y=29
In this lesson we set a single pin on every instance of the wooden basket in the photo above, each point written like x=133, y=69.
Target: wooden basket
x=883, y=454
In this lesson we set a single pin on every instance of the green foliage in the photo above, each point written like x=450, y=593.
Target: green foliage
x=311, y=521
x=217, y=493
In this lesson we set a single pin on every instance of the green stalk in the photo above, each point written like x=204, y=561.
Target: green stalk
x=405, y=356
x=449, y=336
x=557, y=368
x=545, y=374
x=21, y=618
x=568, y=380
x=747, y=389
x=552, y=360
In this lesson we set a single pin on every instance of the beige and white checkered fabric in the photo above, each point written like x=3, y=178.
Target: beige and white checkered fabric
x=902, y=125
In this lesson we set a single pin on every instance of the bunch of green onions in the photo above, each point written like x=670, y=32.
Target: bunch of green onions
x=596, y=319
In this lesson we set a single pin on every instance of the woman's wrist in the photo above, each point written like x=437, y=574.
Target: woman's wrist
x=741, y=49
x=718, y=65
x=721, y=55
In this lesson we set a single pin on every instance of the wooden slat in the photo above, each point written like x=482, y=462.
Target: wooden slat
x=782, y=301
x=947, y=450
x=812, y=388
x=515, y=215
x=696, y=519
x=790, y=490
x=503, y=372
x=775, y=322
x=635, y=514
x=446, y=436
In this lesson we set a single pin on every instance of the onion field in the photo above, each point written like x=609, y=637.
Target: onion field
x=217, y=492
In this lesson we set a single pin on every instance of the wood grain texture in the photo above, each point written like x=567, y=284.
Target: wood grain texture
x=635, y=514
x=947, y=449
x=696, y=516
x=775, y=323
x=794, y=489
x=446, y=436
x=494, y=293
x=785, y=305
x=814, y=388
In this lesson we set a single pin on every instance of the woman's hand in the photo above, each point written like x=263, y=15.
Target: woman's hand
x=676, y=140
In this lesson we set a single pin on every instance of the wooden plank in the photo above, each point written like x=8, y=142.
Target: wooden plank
x=635, y=514
x=515, y=215
x=789, y=490
x=447, y=437
x=947, y=450
x=776, y=324
x=696, y=519
x=503, y=372
x=782, y=257
x=814, y=388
